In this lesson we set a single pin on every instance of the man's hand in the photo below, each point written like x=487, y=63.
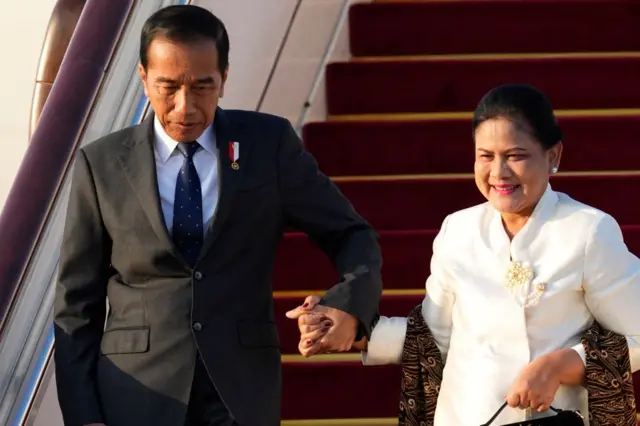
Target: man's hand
x=323, y=329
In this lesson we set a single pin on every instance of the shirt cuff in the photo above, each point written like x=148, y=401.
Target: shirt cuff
x=387, y=342
x=580, y=349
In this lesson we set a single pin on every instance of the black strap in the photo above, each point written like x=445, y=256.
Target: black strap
x=503, y=407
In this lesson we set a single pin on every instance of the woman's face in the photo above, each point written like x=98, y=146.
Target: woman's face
x=511, y=167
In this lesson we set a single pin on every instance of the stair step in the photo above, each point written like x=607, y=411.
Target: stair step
x=342, y=389
x=390, y=421
x=422, y=202
x=441, y=27
x=446, y=146
x=458, y=85
x=317, y=390
x=406, y=256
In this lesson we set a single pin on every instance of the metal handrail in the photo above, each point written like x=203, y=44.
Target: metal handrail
x=315, y=86
x=276, y=61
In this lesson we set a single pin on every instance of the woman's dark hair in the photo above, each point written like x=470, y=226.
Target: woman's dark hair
x=524, y=105
x=185, y=23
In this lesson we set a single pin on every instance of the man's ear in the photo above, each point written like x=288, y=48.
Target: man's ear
x=143, y=77
x=225, y=74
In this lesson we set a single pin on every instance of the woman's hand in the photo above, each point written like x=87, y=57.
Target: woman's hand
x=312, y=325
x=314, y=322
x=538, y=383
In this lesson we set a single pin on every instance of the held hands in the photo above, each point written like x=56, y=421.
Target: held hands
x=538, y=383
x=323, y=329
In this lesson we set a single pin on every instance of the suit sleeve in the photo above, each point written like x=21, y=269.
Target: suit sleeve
x=314, y=205
x=80, y=300
x=612, y=285
x=387, y=337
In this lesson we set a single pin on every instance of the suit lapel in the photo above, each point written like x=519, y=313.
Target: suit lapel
x=138, y=164
x=227, y=131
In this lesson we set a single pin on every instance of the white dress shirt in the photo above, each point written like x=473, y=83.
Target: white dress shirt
x=487, y=334
x=168, y=163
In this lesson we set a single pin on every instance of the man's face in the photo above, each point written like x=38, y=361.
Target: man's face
x=183, y=84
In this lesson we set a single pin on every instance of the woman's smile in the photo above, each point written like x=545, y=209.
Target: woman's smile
x=504, y=189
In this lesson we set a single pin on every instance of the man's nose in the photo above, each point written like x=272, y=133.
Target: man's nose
x=184, y=102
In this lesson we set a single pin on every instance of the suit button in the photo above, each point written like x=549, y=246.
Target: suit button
x=198, y=275
x=197, y=326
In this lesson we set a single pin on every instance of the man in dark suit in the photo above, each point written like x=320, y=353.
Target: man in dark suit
x=176, y=221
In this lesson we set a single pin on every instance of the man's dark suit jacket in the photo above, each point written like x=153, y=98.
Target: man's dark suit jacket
x=137, y=369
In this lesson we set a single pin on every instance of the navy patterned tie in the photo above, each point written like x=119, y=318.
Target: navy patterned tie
x=187, y=207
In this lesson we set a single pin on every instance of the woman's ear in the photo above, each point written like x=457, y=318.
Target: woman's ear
x=555, y=155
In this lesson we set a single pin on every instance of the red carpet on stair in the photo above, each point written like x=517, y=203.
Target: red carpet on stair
x=446, y=146
x=404, y=169
x=370, y=391
x=424, y=203
x=311, y=390
x=406, y=260
x=458, y=84
x=490, y=26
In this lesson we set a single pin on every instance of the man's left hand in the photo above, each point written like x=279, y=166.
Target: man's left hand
x=341, y=332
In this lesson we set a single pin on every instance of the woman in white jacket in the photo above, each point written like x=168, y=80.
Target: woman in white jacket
x=516, y=281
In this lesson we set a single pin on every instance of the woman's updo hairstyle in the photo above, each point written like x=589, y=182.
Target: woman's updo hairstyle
x=525, y=106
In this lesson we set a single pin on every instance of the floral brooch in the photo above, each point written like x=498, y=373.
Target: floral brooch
x=519, y=278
